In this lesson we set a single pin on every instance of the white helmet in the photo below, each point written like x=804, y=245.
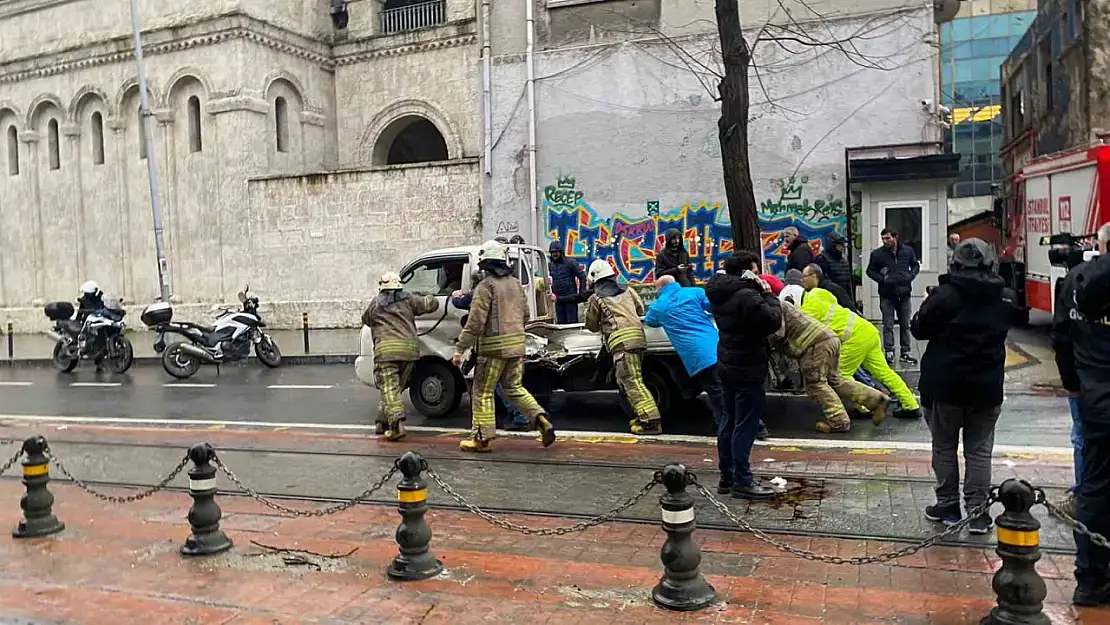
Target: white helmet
x=493, y=250
x=90, y=288
x=390, y=281
x=793, y=293
x=599, y=269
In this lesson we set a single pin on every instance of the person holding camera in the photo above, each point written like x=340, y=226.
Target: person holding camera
x=965, y=320
x=1081, y=338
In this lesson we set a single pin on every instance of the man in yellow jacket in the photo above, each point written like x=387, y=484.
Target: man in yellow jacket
x=860, y=345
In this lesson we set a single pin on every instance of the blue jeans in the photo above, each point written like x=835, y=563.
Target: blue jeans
x=566, y=313
x=1076, y=442
x=515, y=414
x=741, y=414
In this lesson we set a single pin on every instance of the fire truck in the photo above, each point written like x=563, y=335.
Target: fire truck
x=1063, y=193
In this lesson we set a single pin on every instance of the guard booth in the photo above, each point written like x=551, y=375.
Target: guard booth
x=903, y=187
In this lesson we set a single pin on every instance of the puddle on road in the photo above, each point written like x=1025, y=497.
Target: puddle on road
x=801, y=494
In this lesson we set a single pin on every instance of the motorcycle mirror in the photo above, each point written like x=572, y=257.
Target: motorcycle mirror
x=242, y=296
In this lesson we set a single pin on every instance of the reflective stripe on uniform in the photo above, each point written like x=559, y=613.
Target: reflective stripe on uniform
x=799, y=344
x=619, y=337
x=404, y=348
x=848, y=328
x=488, y=344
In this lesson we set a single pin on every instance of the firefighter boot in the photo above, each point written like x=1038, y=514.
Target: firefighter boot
x=547, y=431
x=476, y=443
x=646, y=428
x=878, y=415
x=395, y=431
x=380, y=427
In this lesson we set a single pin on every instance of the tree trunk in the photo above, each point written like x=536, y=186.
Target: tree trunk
x=733, y=129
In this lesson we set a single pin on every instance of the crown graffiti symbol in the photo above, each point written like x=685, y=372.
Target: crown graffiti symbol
x=564, y=182
x=792, y=189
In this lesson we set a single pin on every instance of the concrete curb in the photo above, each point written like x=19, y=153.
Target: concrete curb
x=150, y=361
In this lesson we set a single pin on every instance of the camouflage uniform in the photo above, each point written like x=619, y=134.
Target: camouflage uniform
x=495, y=329
x=818, y=352
x=617, y=318
x=391, y=317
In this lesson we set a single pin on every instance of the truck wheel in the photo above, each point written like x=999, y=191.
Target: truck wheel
x=661, y=389
x=434, y=390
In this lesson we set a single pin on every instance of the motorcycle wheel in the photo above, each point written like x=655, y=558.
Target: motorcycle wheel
x=121, y=354
x=268, y=352
x=178, y=363
x=62, y=361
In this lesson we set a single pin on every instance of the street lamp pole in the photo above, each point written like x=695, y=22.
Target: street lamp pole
x=151, y=167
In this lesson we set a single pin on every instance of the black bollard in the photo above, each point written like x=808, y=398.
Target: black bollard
x=38, y=516
x=205, y=513
x=304, y=329
x=682, y=587
x=1021, y=590
x=11, y=342
x=415, y=562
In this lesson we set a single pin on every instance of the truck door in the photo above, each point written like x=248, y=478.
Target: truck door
x=439, y=276
x=529, y=265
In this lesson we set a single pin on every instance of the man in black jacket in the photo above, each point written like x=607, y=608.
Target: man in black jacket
x=567, y=278
x=894, y=266
x=747, y=313
x=834, y=263
x=965, y=321
x=673, y=260
x=1081, y=337
x=798, y=247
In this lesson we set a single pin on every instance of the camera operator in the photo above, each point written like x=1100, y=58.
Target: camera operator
x=1082, y=344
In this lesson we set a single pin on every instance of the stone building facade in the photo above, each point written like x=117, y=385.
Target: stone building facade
x=293, y=156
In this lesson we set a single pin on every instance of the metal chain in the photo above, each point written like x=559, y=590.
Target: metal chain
x=350, y=503
x=112, y=498
x=857, y=561
x=1098, y=539
x=9, y=463
x=545, y=531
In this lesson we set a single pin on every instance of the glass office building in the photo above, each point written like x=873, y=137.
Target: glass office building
x=972, y=49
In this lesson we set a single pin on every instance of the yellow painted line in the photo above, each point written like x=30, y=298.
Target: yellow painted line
x=786, y=449
x=35, y=470
x=217, y=427
x=627, y=440
x=872, y=452
x=412, y=496
x=1018, y=539
x=281, y=429
x=1014, y=359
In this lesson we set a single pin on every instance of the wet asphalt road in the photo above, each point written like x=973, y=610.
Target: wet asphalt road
x=331, y=394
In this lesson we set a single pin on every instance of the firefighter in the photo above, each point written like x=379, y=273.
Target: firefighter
x=495, y=328
x=391, y=317
x=615, y=311
x=818, y=352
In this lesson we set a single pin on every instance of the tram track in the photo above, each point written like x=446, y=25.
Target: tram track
x=575, y=516
x=590, y=463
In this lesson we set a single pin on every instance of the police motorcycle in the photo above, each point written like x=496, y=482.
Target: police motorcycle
x=95, y=334
x=228, y=340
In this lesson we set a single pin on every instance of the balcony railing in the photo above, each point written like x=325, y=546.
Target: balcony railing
x=414, y=16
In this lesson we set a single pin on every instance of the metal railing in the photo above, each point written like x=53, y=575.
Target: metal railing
x=414, y=16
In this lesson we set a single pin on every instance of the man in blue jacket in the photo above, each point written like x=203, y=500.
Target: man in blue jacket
x=684, y=314
x=567, y=279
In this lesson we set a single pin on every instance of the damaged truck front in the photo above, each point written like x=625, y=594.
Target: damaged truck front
x=559, y=357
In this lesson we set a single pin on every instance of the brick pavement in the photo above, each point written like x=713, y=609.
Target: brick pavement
x=119, y=565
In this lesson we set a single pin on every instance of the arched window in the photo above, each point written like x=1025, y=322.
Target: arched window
x=97, y=124
x=52, y=144
x=410, y=139
x=13, y=151
x=196, y=142
x=142, y=136
x=281, y=128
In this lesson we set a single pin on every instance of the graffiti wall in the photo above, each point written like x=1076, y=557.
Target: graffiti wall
x=629, y=242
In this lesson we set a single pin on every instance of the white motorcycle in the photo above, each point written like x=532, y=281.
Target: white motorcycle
x=229, y=340
x=99, y=337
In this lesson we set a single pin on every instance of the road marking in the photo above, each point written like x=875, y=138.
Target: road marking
x=95, y=384
x=187, y=385
x=16, y=383
x=803, y=443
x=301, y=386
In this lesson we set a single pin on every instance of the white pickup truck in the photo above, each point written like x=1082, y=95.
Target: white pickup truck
x=559, y=357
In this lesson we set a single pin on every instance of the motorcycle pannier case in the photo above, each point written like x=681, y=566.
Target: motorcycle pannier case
x=157, y=314
x=58, y=311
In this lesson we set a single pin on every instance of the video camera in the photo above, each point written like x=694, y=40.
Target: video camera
x=1070, y=251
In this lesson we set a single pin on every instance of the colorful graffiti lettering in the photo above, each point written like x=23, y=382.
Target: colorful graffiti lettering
x=629, y=243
